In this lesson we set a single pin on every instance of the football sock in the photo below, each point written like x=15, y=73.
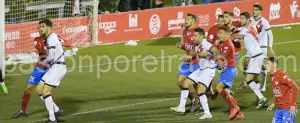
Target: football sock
x=49, y=105
x=183, y=96
x=256, y=89
x=228, y=98
x=203, y=101
x=25, y=100
x=56, y=108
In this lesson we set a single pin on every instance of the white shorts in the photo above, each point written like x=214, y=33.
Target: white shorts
x=203, y=76
x=255, y=65
x=54, y=75
x=264, y=51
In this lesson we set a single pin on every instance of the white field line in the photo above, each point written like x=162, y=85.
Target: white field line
x=110, y=108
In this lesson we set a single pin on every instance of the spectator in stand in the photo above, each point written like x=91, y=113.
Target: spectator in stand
x=108, y=6
x=158, y=4
x=135, y=4
x=145, y=4
x=125, y=5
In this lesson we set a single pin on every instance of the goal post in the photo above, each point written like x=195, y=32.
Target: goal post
x=2, y=37
x=76, y=21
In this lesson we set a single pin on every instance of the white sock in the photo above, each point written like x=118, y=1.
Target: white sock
x=183, y=96
x=203, y=101
x=49, y=105
x=256, y=89
x=56, y=108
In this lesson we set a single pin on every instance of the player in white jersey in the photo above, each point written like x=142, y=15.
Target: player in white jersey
x=57, y=66
x=250, y=41
x=201, y=77
x=265, y=38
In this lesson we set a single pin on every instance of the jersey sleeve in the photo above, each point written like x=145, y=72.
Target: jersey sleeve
x=242, y=31
x=286, y=80
x=206, y=45
x=210, y=34
x=292, y=85
x=266, y=25
x=52, y=40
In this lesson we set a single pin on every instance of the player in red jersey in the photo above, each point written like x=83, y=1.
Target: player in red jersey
x=285, y=94
x=190, y=61
x=212, y=35
x=229, y=74
x=35, y=78
x=233, y=25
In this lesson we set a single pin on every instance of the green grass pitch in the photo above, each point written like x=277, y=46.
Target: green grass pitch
x=136, y=95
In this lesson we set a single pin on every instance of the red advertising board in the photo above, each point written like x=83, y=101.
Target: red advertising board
x=153, y=23
x=19, y=37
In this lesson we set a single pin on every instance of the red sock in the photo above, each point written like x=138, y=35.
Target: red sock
x=228, y=99
x=25, y=100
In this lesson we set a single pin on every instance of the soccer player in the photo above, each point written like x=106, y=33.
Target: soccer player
x=265, y=38
x=35, y=78
x=213, y=31
x=201, y=77
x=285, y=94
x=3, y=86
x=229, y=74
x=250, y=41
x=57, y=66
x=190, y=62
x=233, y=25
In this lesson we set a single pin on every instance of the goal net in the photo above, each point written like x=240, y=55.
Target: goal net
x=72, y=20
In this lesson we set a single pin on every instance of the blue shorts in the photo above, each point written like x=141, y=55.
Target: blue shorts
x=37, y=75
x=228, y=76
x=187, y=69
x=283, y=116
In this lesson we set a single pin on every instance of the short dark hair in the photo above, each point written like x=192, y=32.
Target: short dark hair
x=229, y=13
x=220, y=16
x=246, y=15
x=225, y=28
x=200, y=31
x=274, y=60
x=193, y=16
x=47, y=22
x=257, y=5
